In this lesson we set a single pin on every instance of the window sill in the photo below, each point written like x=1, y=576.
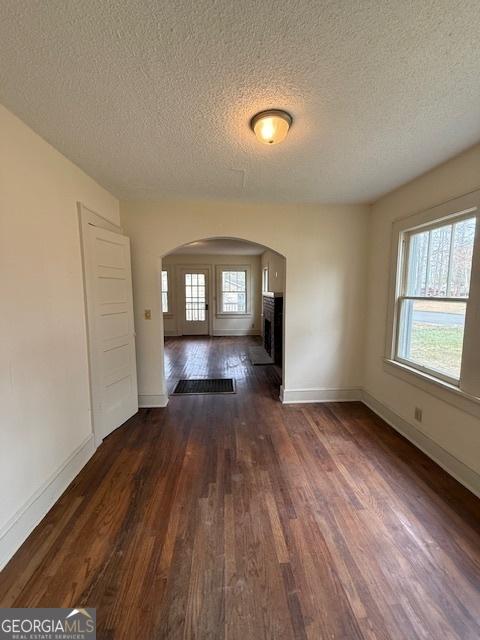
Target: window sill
x=233, y=315
x=444, y=391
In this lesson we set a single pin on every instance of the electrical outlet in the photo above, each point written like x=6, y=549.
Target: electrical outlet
x=418, y=414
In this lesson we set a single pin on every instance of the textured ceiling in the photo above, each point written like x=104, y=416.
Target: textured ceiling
x=153, y=99
x=221, y=246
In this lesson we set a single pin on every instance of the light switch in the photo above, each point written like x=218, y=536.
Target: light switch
x=148, y=314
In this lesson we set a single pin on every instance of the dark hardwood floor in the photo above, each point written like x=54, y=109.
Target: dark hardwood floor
x=237, y=517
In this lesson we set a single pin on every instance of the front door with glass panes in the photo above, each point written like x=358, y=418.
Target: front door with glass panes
x=194, y=287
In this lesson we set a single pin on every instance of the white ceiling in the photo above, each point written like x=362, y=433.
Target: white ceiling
x=153, y=99
x=221, y=246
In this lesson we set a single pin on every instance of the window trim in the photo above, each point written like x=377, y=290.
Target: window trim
x=468, y=385
x=221, y=268
x=169, y=313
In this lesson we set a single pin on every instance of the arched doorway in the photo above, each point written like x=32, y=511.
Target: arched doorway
x=223, y=310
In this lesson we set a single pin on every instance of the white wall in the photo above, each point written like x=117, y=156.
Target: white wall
x=445, y=426
x=44, y=405
x=220, y=325
x=326, y=255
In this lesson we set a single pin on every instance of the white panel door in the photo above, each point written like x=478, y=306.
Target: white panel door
x=111, y=330
x=194, y=287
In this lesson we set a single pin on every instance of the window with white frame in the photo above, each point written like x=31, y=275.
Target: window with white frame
x=265, y=280
x=433, y=296
x=232, y=293
x=165, y=292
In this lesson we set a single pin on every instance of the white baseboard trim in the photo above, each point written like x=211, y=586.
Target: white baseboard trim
x=298, y=396
x=218, y=334
x=14, y=533
x=154, y=401
x=452, y=465
x=236, y=332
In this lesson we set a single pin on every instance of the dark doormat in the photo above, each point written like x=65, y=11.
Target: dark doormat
x=205, y=385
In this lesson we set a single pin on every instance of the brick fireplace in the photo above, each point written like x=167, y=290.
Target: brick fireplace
x=273, y=326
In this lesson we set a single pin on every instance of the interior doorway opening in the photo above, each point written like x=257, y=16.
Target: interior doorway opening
x=223, y=308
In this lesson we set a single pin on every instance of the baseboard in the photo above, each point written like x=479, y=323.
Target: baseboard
x=14, y=533
x=236, y=332
x=452, y=465
x=154, y=401
x=298, y=396
x=217, y=333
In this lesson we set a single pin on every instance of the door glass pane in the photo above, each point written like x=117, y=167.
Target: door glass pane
x=431, y=335
x=195, y=297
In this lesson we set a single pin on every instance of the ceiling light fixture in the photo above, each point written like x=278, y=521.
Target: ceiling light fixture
x=271, y=126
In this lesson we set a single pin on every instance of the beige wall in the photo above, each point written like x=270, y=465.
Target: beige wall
x=275, y=264
x=220, y=325
x=329, y=348
x=45, y=406
x=326, y=253
x=453, y=430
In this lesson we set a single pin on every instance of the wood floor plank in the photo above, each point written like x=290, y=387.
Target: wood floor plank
x=236, y=517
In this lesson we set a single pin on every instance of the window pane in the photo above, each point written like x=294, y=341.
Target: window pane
x=438, y=259
x=164, y=302
x=431, y=335
x=461, y=261
x=165, y=291
x=234, y=302
x=417, y=264
x=234, y=291
x=164, y=280
x=234, y=280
